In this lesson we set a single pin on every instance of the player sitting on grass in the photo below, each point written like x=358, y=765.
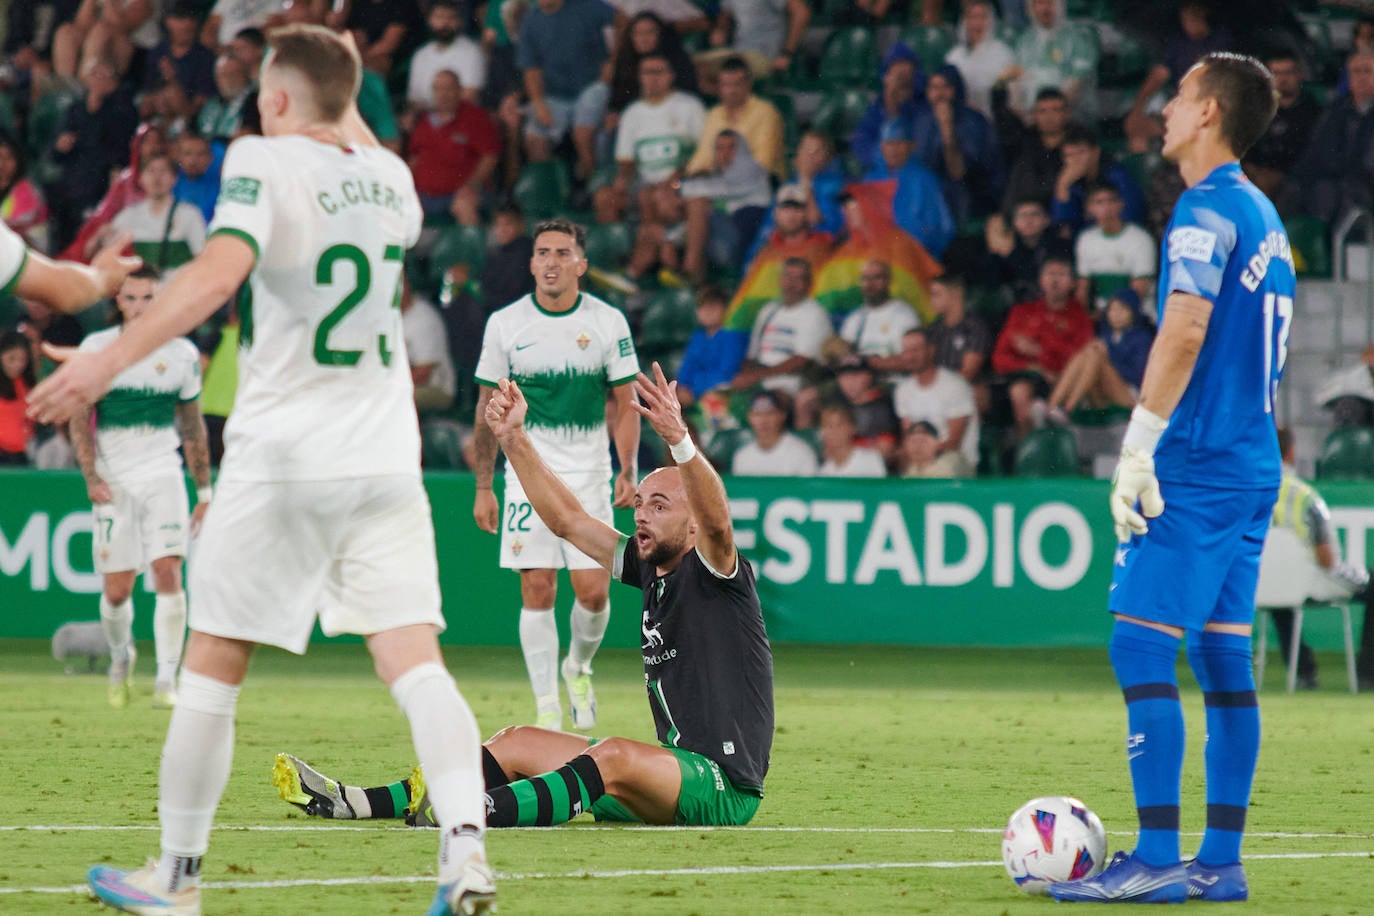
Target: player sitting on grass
x=707, y=662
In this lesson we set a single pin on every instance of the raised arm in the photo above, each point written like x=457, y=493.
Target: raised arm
x=705, y=491
x=196, y=291
x=556, y=505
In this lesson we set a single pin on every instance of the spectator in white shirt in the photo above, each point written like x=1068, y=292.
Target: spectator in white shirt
x=448, y=49
x=431, y=368
x=840, y=456
x=788, y=334
x=774, y=452
x=980, y=56
x=939, y=396
x=229, y=17
x=875, y=328
x=1113, y=253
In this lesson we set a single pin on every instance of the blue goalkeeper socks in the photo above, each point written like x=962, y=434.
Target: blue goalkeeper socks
x=1145, y=661
x=1222, y=664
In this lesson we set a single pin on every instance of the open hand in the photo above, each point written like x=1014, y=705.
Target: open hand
x=657, y=402
x=79, y=383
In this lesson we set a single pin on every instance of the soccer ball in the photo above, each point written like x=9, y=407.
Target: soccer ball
x=1053, y=839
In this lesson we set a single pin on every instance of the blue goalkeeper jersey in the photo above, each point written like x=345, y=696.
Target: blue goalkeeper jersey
x=1226, y=244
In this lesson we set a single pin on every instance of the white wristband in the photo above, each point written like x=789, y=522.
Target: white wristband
x=204, y=494
x=1144, y=432
x=684, y=451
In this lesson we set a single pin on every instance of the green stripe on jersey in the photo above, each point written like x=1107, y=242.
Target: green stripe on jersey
x=126, y=408
x=567, y=399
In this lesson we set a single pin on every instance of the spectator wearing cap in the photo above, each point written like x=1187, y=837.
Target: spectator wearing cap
x=1039, y=338
x=959, y=146
x=792, y=235
x=922, y=456
x=788, y=335
x=1108, y=371
x=874, y=330
x=875, y=421
x=918, y=205
x=939, y=396
x=901, y=99
x=820, y=176
x=774, y=451
x=1082, y=168
x=841, y=456
x=714, y=353
x=1111, y=252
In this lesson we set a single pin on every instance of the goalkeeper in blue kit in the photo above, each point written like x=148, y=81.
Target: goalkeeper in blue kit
x=1194, y=489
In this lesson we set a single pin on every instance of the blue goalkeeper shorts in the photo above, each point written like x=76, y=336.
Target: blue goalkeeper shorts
x=1199, y=563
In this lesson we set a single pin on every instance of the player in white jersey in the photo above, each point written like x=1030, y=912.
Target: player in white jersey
x=127, y=450
x=320, y=507
x=570, y=348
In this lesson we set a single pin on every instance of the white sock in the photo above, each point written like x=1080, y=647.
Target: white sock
x=117, y=620
x=169, y=634
x=539, y=642
x=195, y=768
x=448, y=745
x=588, y=627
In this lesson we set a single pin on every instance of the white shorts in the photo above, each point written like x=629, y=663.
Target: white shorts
x=272, y=556
x=147, y=520
x=525, y=541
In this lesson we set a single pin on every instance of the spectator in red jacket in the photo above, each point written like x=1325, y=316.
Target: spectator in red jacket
x=1039, y=338
x=453, y=152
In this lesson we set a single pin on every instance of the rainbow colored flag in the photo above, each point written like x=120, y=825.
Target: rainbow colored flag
x=873, y=234
x=761, y=284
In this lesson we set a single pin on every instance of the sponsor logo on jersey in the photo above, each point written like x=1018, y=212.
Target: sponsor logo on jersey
x=627, y=346
x=652, y=637
x=583, y=341
x=241, y=190
x=1193, y=244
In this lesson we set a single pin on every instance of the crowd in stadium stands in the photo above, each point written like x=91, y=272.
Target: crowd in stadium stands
x=878, y=237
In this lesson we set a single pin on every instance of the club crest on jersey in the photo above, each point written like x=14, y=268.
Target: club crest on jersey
x=516, y=547
x=583, y=341
x=160, y=366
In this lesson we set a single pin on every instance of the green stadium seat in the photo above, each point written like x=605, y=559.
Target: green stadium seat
x=930, y=42
x=1142, y=166
x=609, y=244
x=1347, y=454
x=840, y=112
x=787, y=107
x=441, y=446
x=849, y=57
x=542, y=189
x=1311, y=245
x=724, y=443
x=42, y=131
x=991, y=440
x=668, y=321
x=457, y=245
x=1048, y=452
x=1126, y=66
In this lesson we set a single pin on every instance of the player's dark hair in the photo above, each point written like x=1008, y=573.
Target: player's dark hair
x=1100, y=186
x=146, y=271
x=565, y=226
x=510, y=208
x=330, y=66
x=1050, y=92
x=445, y=4
x=735, y=64
x=839, y=407
x=1060, y=257
x=1244, y=91
x=798, y=262
x=13, y=340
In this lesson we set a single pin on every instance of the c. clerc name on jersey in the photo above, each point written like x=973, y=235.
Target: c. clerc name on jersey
x=354, y=192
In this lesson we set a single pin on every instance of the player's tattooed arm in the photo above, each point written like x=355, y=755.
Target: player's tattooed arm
x=82, y=434
x=195, y=441
x=1174, y=353
x=485, y=512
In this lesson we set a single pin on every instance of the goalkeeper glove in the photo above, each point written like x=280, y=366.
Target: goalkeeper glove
x=1134, y=481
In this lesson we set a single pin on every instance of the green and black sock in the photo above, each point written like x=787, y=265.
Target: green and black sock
x=548, y=799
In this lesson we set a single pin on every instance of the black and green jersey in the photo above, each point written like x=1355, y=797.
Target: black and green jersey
x=707, y=663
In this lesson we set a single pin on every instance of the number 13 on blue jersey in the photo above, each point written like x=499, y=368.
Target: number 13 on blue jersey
x=1276, y=308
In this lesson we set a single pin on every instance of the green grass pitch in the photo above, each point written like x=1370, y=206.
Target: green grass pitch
x=893, y=773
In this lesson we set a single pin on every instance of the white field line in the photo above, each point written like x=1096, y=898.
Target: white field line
x=346, y=828
x=627, y=873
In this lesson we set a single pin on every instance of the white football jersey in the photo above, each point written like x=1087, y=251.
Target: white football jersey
x=135, y=422
x=14, y=253
x=324, y=387
x=565, y=362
